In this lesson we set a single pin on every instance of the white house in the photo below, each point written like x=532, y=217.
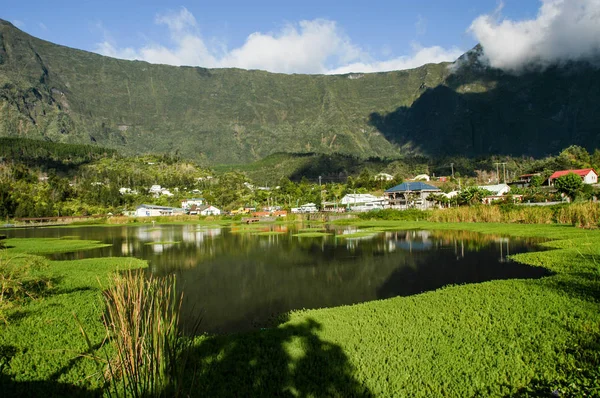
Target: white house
x=497, y=189
x=187, y=203
x=154, y=210
x=589, y=176
x=384, y=177
x=497, y=192
x=208, y=210
x=421, y=177
x=305, y=208
x=155, y=189
x=361, y=199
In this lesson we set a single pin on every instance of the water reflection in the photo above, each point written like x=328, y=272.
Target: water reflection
x=241, y=277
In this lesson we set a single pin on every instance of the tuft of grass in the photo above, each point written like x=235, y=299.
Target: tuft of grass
x=143, y=322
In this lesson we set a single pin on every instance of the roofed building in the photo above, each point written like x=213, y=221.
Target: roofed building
x=589, y=176
x=411, y=195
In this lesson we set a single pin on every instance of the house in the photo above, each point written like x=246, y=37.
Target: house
x=154, y=210
x=353, y=200
x=155, y=189
x=384, y=177
x=524, y=180
x=497, y=189
x=305, y=208
x=208, y=210
x=188, y=203
x=411, y=195
x=421, y=177
x=497, y=192
x=589, y=176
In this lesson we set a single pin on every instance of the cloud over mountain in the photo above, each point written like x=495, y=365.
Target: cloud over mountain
x=563, y=30
x=309, y=46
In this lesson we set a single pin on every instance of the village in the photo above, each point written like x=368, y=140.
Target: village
x=422, y=192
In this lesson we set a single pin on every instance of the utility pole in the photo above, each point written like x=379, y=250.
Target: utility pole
x=452, y=166
x=497, y=172
x=504, y=171
x=319, y=180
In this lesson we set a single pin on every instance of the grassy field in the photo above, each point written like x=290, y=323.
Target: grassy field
x=499, y=338
x=42, y=350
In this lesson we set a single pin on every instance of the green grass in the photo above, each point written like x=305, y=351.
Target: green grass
x=42, y=351
x=356, y=235
x=499, y=338
x=174, y=242
x=50, y=245
x=312, y=234
x=271, y=233
x=312, y=229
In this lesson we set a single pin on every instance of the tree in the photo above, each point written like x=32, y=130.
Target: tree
x=472, y=195
x=569, y=185
x=536, y=181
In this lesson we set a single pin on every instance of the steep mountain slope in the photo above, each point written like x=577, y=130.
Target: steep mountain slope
x=61, y=94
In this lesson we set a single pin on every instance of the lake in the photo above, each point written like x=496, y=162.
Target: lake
x=242, y=277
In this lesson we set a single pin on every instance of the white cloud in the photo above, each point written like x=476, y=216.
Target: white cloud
x=563, y=30
x=315, y=46
x=420, y=56
x=18, y=23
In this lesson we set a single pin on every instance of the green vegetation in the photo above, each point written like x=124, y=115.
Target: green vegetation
x=50, y=245
x=569, y=184
x=498, y=338
x=142, y=320
x=270, y=233
x=162, y=243
x=42, y=352
x=222, y=116
x=312, y=234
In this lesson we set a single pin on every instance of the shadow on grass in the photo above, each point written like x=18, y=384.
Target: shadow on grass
x=291, y=360
x=9, y=387
x=42, y=388
x=581, y=376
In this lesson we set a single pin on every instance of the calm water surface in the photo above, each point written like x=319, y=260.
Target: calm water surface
x=237, y=280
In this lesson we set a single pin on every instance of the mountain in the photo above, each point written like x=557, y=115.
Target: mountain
x=56, y=93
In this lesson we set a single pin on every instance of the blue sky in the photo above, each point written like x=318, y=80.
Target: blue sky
x=291, y=37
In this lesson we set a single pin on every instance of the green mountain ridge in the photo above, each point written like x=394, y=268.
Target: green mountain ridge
x=228, y=116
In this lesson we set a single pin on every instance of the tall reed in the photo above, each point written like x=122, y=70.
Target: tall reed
x=583, y=215
x=143, y=321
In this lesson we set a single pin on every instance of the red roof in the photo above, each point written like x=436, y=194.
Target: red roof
x=582, y=173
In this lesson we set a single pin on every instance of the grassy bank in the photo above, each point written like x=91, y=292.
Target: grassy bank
x=42, y=351
x=498, y=338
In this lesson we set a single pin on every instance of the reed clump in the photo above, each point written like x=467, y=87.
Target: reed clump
x=583, y=215
x=142, y=320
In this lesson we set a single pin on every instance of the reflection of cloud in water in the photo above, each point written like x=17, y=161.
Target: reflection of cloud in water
x=127, y=248
x=149, y=234
x=198, y=235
